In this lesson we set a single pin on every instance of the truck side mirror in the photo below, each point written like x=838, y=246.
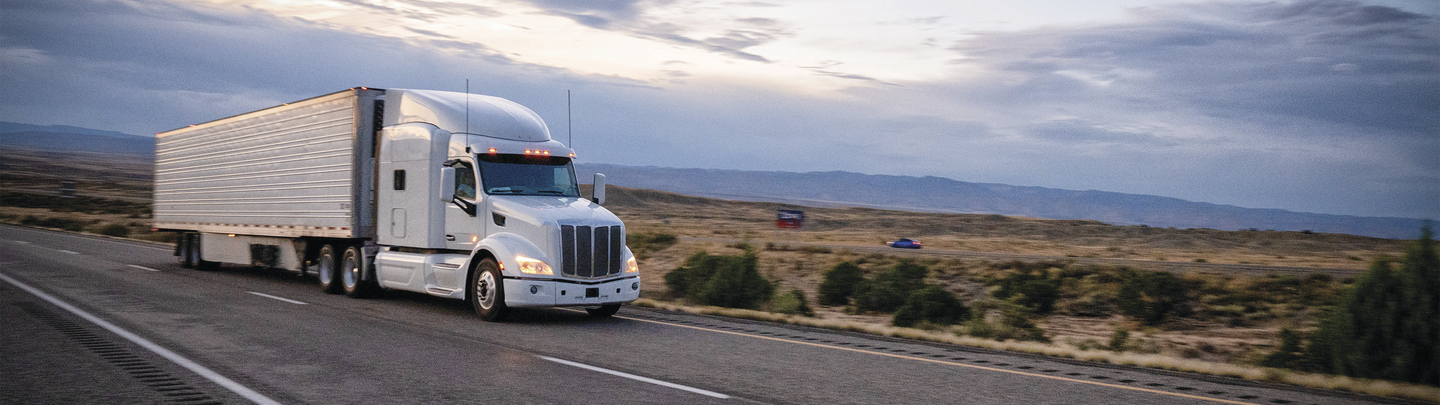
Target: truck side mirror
x=447, y=184
x=599, y=192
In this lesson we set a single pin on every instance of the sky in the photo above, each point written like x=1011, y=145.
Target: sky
x=1324, y=106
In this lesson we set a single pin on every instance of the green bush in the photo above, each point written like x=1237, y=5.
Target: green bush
x=116, y=230
x=931, y=304
x=726, y=281
x=1289, y=355
x=793, y=303
x=839, y=284
x=1035, y=291
x=888, y=291
x=1388, y=323
x=1152, y=296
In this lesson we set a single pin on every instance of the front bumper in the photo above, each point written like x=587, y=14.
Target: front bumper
x=524, y=292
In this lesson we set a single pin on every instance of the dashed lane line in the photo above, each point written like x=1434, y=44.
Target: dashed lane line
x=278, y=298
x=142, y=267
x=638, y=378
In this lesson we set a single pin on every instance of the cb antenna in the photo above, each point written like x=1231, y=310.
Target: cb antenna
x=467, y=106
x=568, y=129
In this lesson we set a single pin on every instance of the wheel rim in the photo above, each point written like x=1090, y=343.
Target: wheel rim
x=485, y=290
x=351, y=272
x=326, y=270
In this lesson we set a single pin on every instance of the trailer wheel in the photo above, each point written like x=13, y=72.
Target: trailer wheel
x=487, y=292
x=604, y=311
x=352, y=269
x=200, y=264
x=326, y=265
x=185, y=250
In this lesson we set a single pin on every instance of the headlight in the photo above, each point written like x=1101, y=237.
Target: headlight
x=532, y=266
x=631, y=266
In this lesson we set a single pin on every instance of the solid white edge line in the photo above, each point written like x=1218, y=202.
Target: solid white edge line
x=278, y=298
x=67, y=251
x=638, y=378
x=229, y=384
x=142, y=267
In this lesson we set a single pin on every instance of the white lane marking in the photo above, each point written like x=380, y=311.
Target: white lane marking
x=277, y=298
x=142, y=267
x=67, y=251
x=21, y=242
x=229, y=384
x=638, y=378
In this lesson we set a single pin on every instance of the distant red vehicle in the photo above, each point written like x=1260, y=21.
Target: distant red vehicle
x=905, y=244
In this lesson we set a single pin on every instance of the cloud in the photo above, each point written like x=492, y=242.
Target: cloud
x=1322, y=106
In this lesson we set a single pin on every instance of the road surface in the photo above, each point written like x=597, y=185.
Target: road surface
x=97, y=320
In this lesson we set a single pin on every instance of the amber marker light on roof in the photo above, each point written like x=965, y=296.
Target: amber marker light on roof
x=492, y=150
x=572, y=154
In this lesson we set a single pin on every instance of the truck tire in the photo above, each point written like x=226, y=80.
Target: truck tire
x=327, y=265
x=187, y=259
x=200, y=264
x=352, y=272
x=487, y=292
x=604, y=311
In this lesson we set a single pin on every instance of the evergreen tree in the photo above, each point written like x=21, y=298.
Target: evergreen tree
x=1388, y=324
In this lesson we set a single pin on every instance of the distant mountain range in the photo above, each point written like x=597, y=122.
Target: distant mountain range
x=65, y=137
x=935, y=194
x=825, y=189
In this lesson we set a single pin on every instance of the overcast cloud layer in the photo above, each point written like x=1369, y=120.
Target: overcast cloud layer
x=1316, y=106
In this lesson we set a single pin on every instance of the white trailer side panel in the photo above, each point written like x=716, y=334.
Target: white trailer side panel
x=300, y=169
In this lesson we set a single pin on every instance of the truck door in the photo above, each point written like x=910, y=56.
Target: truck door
x=463, y=225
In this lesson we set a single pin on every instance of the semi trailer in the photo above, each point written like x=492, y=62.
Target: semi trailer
x=449, y=194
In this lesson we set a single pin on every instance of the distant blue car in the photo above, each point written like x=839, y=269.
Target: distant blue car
x=905, y=244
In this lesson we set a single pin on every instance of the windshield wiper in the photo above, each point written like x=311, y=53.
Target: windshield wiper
x=555, y=192
x=506, y=191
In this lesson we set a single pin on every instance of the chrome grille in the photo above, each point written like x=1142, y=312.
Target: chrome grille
x=590, y=252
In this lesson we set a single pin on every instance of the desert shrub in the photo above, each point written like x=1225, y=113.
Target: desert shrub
x=793, y=303
x=839, y=283
x=1035, y=291
x=68, y=224
x=1388, y=323
x=1151, y=296
x=1119, y=341
x=725, y=281
x=116, y=230
x=931, y=304
x=1014, y=323
x=1289, y=355
x=731, y=281
x=888, y=291
x=643, y=244
x=77, y=204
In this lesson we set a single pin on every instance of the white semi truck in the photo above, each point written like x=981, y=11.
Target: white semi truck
x=442, y=193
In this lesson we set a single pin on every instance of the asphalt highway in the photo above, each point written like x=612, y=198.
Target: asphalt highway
x=97, y=320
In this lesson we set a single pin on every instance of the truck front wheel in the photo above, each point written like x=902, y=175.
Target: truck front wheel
x=326, y=264
x=487, y=292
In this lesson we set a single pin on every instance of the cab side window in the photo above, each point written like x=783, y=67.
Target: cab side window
x=465, y=180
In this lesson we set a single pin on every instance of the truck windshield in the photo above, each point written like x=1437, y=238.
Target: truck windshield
x=508, y=174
